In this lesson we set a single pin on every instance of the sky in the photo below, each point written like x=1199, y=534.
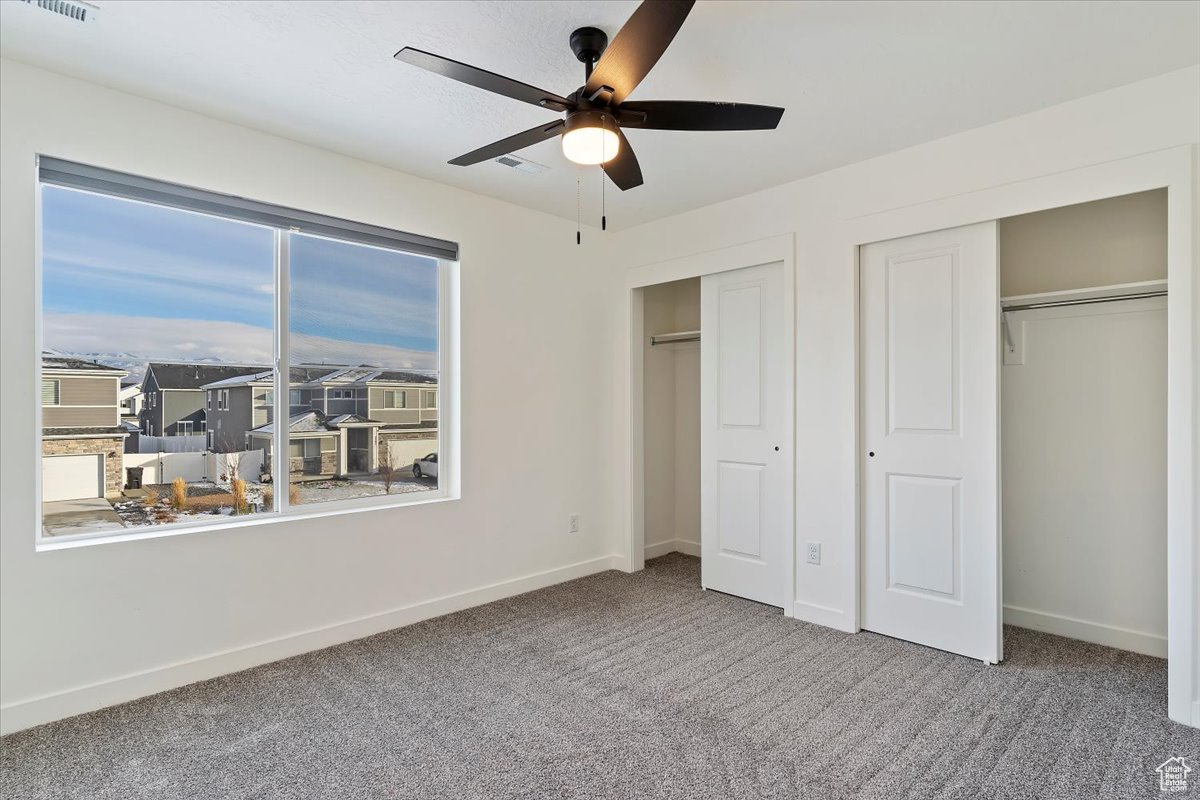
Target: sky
x=122, y=277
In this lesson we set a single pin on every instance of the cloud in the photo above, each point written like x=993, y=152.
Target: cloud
x=193, y=339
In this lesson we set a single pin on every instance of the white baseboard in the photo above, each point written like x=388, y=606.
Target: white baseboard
x=673, y=546
x=1094, y=632
x=59, y=705
x=822, y=615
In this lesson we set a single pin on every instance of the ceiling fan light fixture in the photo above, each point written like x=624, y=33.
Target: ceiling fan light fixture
x=590, y=138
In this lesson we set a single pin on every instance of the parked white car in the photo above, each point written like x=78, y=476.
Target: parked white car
x=425, y=467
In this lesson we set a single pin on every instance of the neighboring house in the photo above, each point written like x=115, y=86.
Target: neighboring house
x=130, y=399
x=342, y=419
x=82, y=435
x=236, y=405
x=319, y=445
x=173, y=400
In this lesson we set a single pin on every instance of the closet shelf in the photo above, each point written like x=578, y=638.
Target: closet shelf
x=1092, y=294
x=670, y=338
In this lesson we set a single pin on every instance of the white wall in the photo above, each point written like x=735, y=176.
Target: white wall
x=92, y=625
x=1084, y=456
x=672, y=420
x=1146, y=117
x=1117, y=240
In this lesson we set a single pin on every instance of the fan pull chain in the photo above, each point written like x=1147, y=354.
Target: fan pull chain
x=578, y=205
x=603, y=208
x=603, y=184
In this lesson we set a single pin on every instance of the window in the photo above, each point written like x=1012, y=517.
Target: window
x=189, y=280
x=373, y=314
x=305, y=448
x=430, y=399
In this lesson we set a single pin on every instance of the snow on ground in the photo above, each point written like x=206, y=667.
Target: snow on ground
x=134, y=513
x=325, y=491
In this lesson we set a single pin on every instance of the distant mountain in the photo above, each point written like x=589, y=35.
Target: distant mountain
x=132, y=363
x=135, y=365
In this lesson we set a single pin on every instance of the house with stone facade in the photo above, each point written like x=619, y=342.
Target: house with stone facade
x=83, y=440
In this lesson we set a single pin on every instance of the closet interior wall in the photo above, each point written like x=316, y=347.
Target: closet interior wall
x=672, y=420
x=1083, y=427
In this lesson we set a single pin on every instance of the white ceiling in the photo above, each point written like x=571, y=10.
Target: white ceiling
x=858, y=79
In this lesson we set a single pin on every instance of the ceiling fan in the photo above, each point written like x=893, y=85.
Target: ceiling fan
x=596, y=112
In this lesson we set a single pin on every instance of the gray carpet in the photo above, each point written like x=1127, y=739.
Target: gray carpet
x=629, y=686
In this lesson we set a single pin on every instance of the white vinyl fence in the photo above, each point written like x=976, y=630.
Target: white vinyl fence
x=172, y=444
x=192, y=467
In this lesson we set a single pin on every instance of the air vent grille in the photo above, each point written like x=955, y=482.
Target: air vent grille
x=72, y=9
x=522, y=164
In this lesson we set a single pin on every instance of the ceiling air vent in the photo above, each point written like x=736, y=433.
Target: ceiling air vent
x=522, y=164
x=72, y=9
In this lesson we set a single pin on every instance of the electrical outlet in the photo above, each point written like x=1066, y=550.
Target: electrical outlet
x=573, y=523
x=814, y=553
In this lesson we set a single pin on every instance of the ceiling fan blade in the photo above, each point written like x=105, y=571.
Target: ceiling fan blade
x=511, y=144
x=481, y=78
x=624, y=170
x=686, y=115
x=637, y=47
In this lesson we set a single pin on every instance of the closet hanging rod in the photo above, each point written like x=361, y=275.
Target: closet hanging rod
x=1083, y=301
x=670, y=338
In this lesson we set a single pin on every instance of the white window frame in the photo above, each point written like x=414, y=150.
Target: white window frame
x=286, y=223
x=390, y=404
x=295, y=398
x=222, y=399
x=185, y=425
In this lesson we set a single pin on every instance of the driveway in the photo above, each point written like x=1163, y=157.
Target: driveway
x=79, y=516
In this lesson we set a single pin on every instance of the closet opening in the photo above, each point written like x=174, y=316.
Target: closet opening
x=1083, y=423
x=671, y=417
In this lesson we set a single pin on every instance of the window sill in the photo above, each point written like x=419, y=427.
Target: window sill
x=330, y=509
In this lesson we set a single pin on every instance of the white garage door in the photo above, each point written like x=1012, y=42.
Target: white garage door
x=72, y=477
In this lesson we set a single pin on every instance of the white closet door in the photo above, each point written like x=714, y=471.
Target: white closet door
x=746, y=433
x=930, y=432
